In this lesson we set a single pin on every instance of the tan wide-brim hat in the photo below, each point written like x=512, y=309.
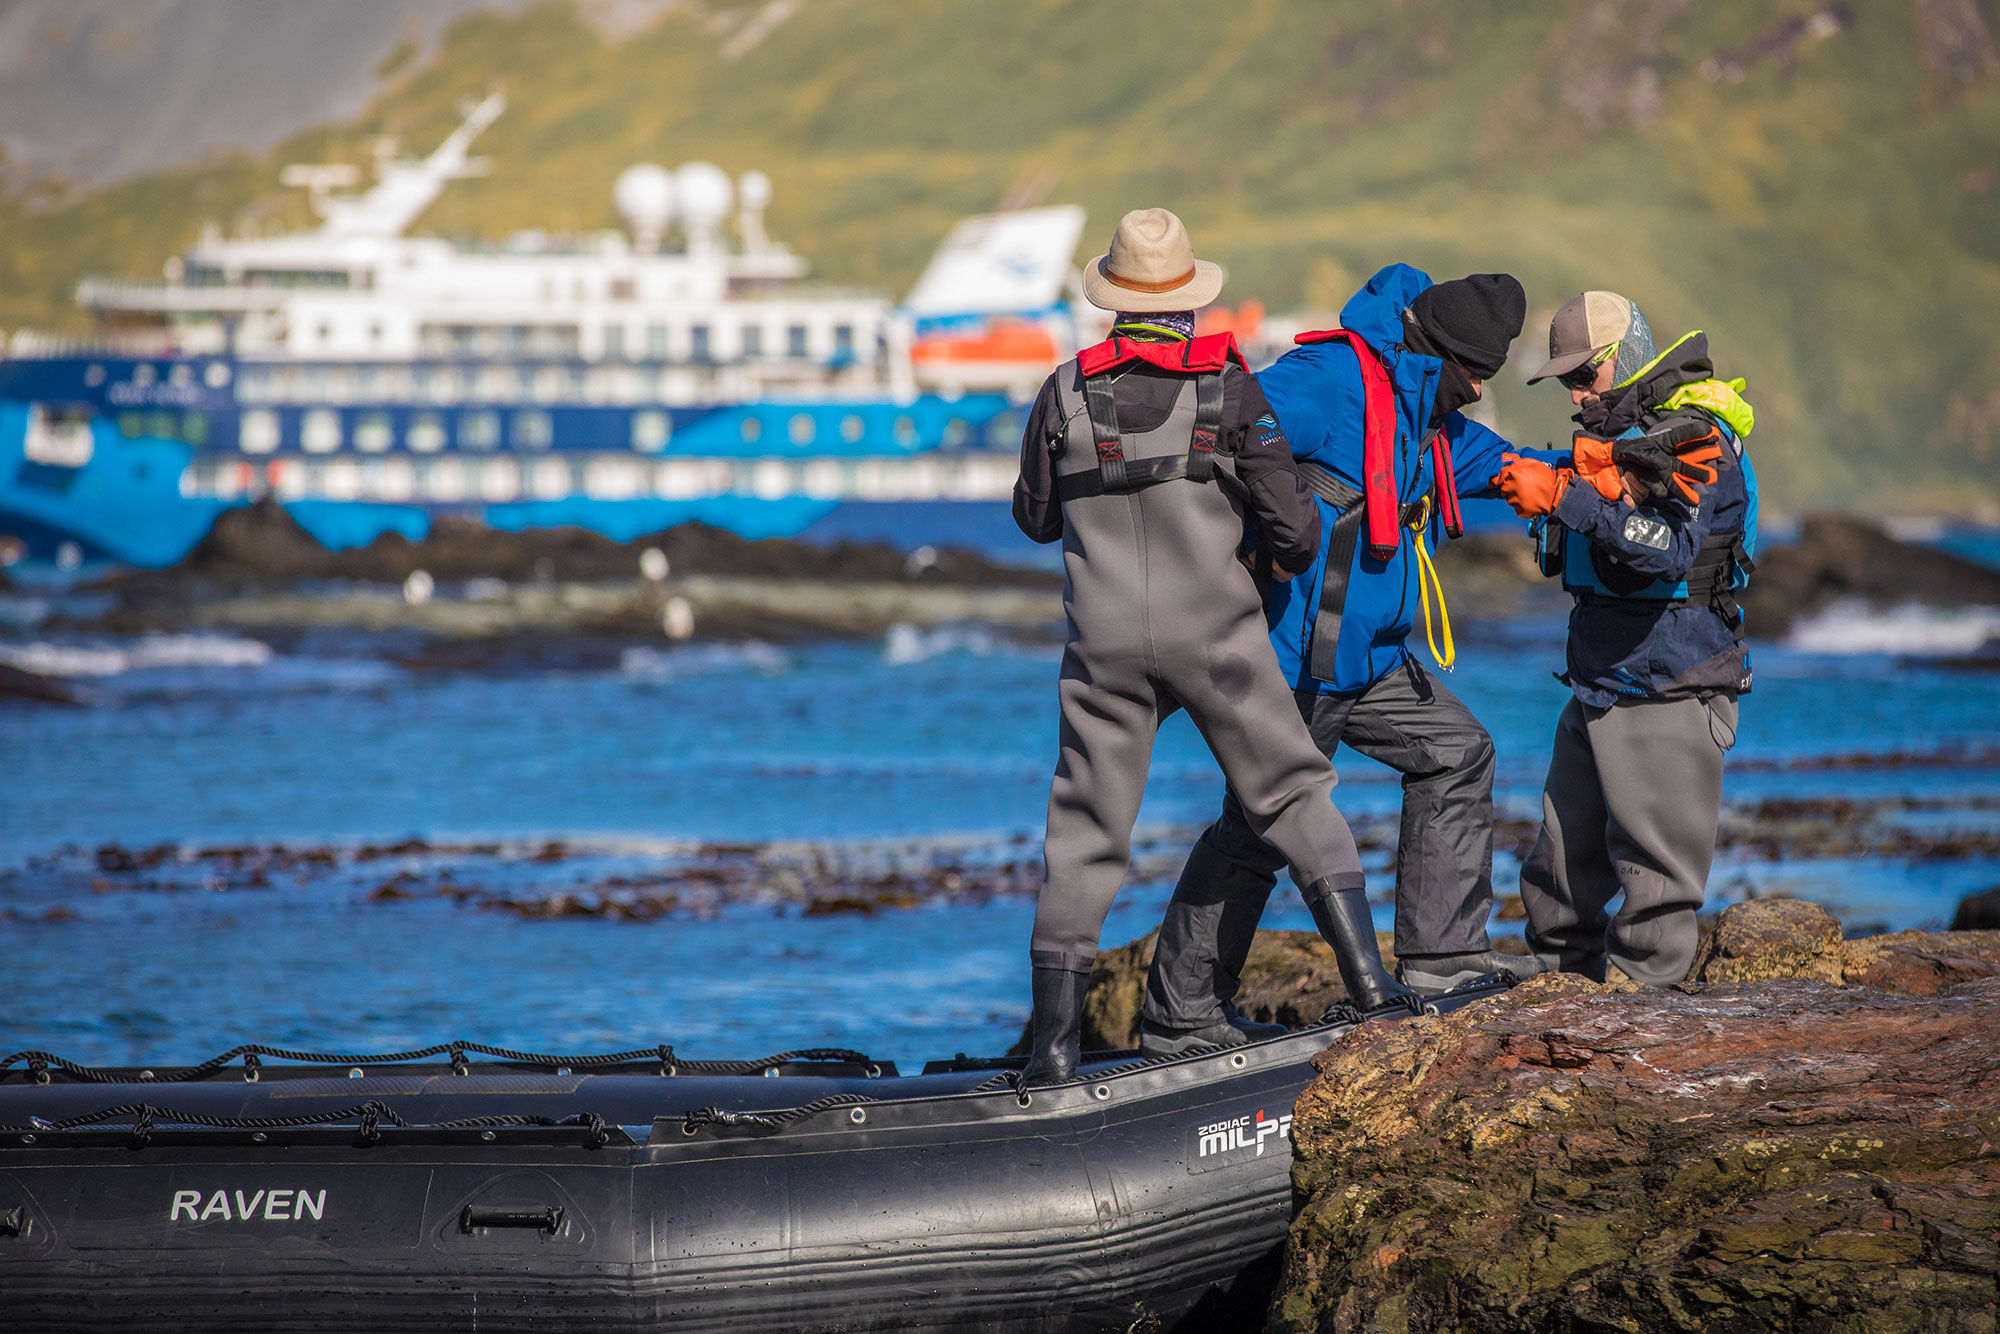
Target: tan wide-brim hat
x=1150, y=267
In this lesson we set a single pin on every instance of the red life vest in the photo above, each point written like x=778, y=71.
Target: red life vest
x=1211, y=352
x=1378, y=450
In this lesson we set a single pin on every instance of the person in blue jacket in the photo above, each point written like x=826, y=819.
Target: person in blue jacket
x=1374, y=427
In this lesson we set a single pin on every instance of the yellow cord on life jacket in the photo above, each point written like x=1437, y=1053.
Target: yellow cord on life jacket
x=1427, y=579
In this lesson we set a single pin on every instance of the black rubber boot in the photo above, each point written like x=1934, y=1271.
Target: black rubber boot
x=1435, y=973
x=1055, y=1043
x=1342, y=918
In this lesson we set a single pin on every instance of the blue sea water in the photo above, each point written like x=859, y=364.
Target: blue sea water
x=939, y=741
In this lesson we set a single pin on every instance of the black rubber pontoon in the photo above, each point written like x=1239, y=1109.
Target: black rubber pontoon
x=813, y=1191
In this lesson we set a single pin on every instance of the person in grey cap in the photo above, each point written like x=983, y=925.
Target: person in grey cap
x=1144, y=454
x=1652, y=526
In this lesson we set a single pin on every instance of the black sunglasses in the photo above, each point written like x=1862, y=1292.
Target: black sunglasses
x=1584, y=376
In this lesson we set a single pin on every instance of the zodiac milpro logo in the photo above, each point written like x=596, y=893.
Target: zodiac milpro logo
x=275, y=1206
x=1239, y=1139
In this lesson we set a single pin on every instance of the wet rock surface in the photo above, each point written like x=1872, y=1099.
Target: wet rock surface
x=1769, y=1155
x=1813, y=1143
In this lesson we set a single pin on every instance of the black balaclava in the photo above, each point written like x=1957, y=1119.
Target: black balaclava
x=1468, y=323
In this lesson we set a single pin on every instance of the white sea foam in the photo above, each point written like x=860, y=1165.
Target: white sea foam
x=1853, y=627
x=676, y=664
x=151, y=651
x=905, y=643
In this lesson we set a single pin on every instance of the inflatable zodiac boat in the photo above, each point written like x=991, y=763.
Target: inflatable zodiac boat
x=816, y=1190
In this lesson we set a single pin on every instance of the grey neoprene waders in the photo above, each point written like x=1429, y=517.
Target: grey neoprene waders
x=1163, y=616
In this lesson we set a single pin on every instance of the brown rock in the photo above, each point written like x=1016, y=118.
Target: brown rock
x=1978, y=912
x=1770, y=938
x=1571, y=1156
x=1921, y=963
x=1842, y=557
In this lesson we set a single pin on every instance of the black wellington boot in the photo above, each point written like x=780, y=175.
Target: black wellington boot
x=1055, y=1043
x=1342, y=918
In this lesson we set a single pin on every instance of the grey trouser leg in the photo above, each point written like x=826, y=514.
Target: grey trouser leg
x=1631, y=805
x=1444, y=849
x=1244, y=711
x=1444, y=865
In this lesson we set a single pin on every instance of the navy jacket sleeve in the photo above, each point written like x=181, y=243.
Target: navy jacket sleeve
x=1037, y=509
x=1659, y=539
x=1285, y=510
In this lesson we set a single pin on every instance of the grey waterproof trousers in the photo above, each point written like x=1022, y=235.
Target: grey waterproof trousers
x=1444, y=864
x=1631, y=805
x=1163, y=616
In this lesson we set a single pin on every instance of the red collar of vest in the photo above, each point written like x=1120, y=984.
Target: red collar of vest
x=1327, y=336
x=1210, y=352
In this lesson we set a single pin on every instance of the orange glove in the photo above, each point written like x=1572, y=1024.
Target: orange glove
x=1592, y=460
x=1532, y=487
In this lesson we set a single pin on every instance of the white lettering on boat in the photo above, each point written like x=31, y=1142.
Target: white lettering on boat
x=1243, y=1132
x=277, y=1206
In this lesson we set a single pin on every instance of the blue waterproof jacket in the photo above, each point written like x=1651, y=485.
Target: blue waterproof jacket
x=1316, y=393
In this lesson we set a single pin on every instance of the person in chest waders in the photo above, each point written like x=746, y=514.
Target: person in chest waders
x=1144, y=455
x=1652, y=525
x=1372, y=412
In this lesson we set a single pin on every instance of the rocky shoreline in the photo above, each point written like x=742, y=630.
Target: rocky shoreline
x=469, y=597
x=1803, y=1135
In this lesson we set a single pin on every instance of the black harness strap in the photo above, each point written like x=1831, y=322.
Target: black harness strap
x=1117, y=475
x=1102, y=405
x=1351, y=503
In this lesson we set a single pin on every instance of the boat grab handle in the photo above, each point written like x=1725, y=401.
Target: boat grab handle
x=547, y=1218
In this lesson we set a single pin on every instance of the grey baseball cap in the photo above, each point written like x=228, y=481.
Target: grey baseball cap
x=1585, y=326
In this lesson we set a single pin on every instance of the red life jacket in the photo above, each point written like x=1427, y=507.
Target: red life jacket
x=1212, y=352
x=1202, y=359
x=1378, y=451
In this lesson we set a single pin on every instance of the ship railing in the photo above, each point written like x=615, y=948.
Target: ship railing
x=40, y=345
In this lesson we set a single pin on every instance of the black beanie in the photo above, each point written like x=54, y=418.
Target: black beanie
x=1473, y=318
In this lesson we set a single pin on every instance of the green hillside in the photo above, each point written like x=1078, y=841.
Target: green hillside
x=1832, y=218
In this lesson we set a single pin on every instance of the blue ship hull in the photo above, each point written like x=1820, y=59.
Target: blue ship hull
x=172, y=443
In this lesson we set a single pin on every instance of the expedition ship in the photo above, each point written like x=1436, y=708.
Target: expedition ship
x=368, y=379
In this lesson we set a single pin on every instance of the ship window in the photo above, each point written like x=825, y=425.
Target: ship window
x=801, y=428
x=752, y=429
x=843, y=340
x=753, y=340
x=479, y=430
x=319, y=433
x=1004, y=430
x=259, y=432
x=498, y=384
x=550, y=479
x=324, y=332
x=531, y=430
x=623, y=289
x=143, y=375
x=650, y=431
x=698, y=343
x=548, y=384
x=906, y=432
x=375, y=332
x=956, y=432
x=614, y=340
x=194, y=428
x=162, y=425
x=132, y=425
x=656, y=340
x=852, y=428
x=372, y=434
x=181, y=376
x=426, y=434
x=795, y=340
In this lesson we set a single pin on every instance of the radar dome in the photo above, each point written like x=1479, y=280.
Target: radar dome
x=644, y=197
x=753, y=189
x=705, y=193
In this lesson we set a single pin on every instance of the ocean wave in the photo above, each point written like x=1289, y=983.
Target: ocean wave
x=905, y=643
x=674, y=664
x=1851, y=627
x=150, y=652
